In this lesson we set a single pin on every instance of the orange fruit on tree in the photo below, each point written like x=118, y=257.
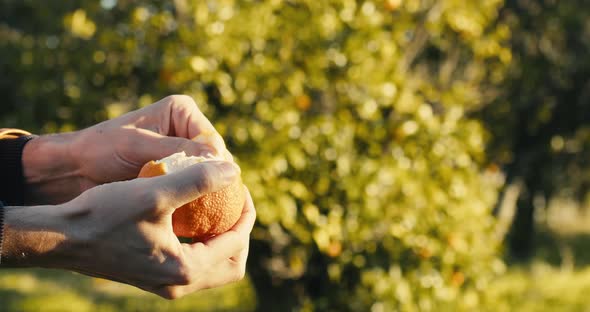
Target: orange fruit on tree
x=210, y=214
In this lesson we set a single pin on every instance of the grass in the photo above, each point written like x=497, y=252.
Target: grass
x=53, y=290
x=558, y=276
x=547, y=283
x=541, y=287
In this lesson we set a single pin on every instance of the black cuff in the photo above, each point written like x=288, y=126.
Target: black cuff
x=12, y=181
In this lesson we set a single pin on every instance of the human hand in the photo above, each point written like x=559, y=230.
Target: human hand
x=59, y=167
x=122, y=231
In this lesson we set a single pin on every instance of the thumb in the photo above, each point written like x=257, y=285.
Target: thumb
x=150, y=146
x=186, y=185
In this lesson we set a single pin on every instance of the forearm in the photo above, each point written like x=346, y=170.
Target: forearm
x=34, y=236
x=50, y=169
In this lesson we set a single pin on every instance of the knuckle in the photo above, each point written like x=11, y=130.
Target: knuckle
x=205, y=183
x=179, y=272
x=170, y=293
x=155, y=199
x=144, y=194
x=182, y=276
x=180, y=100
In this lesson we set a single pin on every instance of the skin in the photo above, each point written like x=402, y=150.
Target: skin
x=101, y=223
x=59, y=167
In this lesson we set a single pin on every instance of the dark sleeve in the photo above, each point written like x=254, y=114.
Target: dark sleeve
x=12, y=180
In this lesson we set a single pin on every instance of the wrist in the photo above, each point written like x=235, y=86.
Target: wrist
x=35, y=236
x=50, y=169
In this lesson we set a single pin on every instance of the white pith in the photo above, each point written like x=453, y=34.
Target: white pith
x=179, y=161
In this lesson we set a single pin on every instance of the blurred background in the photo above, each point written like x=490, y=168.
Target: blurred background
x=404, y=155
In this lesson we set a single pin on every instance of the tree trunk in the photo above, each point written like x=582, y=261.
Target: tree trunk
x=272, y=294
x=522, y=233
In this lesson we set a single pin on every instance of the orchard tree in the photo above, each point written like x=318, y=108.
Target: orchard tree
x=541, y=120
x=349, y=118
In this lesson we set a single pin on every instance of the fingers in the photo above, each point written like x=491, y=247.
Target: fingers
x=179, y=116
x=176, y=115
x=176, y=189
x=241, y=259
x=217, y=262
x=153, y=146
x=169, y=125
x=231, y=242
x=208, y=274
x=248, y=217
x=220, y=274
x=215, y=141
x=187, y=119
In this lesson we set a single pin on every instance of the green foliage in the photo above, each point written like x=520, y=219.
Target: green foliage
x=51, y=290
x=350, y=119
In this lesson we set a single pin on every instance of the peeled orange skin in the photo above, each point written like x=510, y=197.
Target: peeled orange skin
x=209, y=215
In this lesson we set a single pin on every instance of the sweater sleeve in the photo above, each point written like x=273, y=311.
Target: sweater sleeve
x=12, y=182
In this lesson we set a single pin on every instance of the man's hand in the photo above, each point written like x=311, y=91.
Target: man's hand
x=59, y=167
x=122, y=231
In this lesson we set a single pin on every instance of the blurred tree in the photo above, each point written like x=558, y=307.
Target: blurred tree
x=350, y=119
x=541, y=121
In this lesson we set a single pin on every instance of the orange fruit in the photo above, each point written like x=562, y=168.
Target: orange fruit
x=209, y=215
